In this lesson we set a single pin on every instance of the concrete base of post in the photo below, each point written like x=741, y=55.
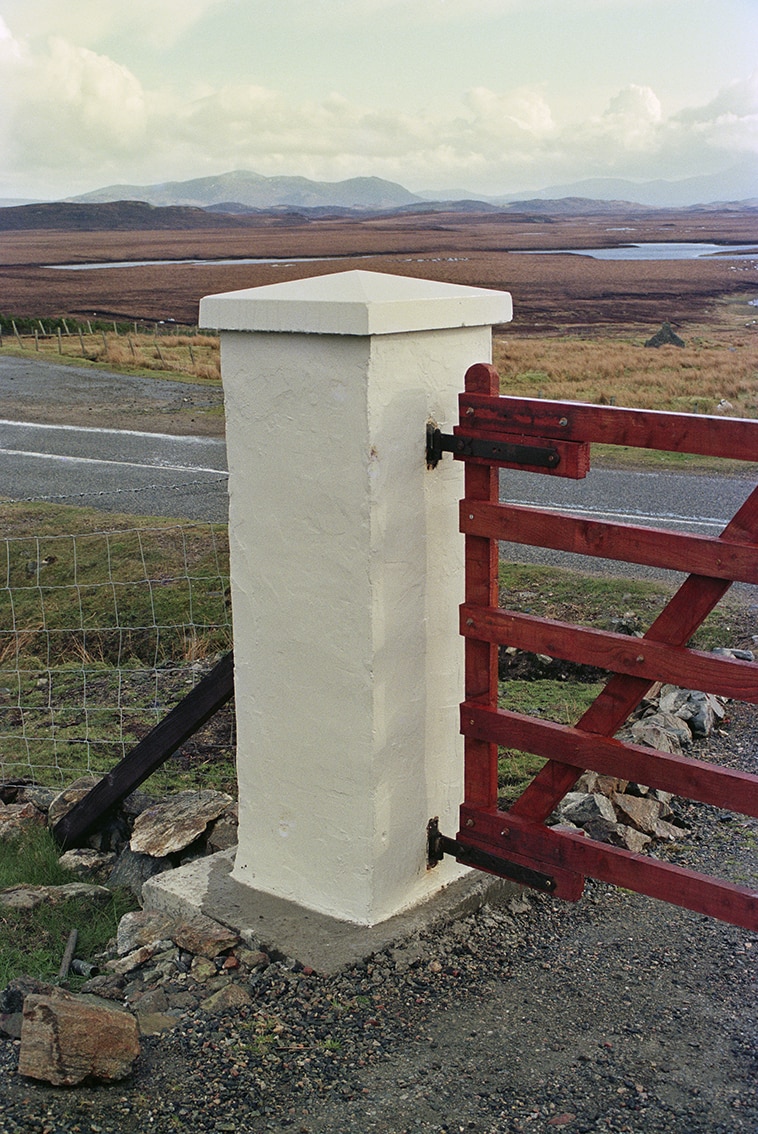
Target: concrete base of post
x=285, y=929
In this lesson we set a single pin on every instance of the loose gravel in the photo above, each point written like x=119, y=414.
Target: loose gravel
x=615, y=1014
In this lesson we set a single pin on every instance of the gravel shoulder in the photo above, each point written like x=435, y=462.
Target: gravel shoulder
x=53, y=393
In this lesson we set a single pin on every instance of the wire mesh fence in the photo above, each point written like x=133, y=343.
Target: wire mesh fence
x=101, y=633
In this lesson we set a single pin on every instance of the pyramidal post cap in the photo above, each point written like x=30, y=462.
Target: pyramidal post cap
x=355, y=303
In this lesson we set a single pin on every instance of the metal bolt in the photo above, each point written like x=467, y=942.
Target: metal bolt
x=469, y=622
x=640, y=657
x=469, y=822
x=505, y=833
x=564, y=422
x=470, y=410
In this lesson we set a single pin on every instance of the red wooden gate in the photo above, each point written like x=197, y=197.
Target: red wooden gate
x=554, y=438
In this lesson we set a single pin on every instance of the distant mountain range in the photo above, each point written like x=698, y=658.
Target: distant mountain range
x=740, y=183
x=205, y=202
x=253, y=190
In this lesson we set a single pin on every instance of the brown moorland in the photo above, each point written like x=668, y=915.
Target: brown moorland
x=558, y=294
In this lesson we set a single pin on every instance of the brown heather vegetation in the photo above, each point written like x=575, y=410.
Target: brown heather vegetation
x=693, y=379
x=579, y=324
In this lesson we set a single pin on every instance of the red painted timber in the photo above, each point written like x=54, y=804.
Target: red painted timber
x=694, y=779
x=675, y=625
x=481, y=587
x=543, y=848
x=611, y=425
x=656, y=547
x=693, y=669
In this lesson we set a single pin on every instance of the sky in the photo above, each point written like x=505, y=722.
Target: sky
x=491, y=96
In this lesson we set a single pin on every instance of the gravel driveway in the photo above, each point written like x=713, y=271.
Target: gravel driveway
x=616, y=1014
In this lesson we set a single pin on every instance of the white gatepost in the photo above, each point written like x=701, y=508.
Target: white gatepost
x=346, y=576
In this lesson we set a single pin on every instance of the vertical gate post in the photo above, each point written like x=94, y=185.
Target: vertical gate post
x=346, y=568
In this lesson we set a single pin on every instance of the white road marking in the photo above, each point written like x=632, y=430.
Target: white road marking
x=670, y=517
x=100, y=461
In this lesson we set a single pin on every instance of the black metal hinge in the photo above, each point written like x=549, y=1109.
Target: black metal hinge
x=438, y=845
x=438, y=443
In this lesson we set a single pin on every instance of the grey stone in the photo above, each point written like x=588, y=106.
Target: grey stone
x=87, y=863
x=66, y=799
x=155, y=1023
x=23, y=897
x=222, y=833
x=18, y=817
x=640, y=813
x=142, y=927
x=40, y=796
x=663, y=731
x=589, y=807
x=132, y=870
x=108, y=986
x=153, y=1001
x=204, y=937
x=174, y=824
x=593, y=782
x=131, y=961
x=232, y=996
x=617, y=834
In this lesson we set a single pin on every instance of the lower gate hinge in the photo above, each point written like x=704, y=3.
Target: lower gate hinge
x=438, y=845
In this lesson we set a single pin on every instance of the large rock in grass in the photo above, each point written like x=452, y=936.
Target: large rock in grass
x=23, y=897
x=66, y=1040
x=665, y=337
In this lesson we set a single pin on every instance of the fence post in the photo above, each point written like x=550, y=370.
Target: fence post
x=347, y=574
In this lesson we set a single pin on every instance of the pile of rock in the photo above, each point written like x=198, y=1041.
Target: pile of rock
x=160, y=970
x=143, y=837
x=632, y=815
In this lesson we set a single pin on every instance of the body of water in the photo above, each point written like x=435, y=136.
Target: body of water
x=648, y=251
x=199, y=263
x=655, y=251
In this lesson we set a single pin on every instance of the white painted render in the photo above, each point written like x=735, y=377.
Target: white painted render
x=347, y=573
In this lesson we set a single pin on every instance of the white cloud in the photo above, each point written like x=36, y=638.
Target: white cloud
x=74, y=102
x=74, y=118
x=729, y=121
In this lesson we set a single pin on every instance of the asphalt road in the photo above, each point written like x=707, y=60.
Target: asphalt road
x=149, y=474
x=149, y=471
x=685, y=503
x=119, y=443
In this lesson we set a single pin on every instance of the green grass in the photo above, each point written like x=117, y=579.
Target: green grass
x=112, y=590
x=560, y=701
x=598, y=601
x=32, y=941
x=99, y=631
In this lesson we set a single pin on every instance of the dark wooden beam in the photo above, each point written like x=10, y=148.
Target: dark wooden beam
x=208, y=696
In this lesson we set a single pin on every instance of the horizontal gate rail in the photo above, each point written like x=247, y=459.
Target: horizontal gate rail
x=532, y=843
x=518, y=838
x=638, y=657
x=655, y=547
x=609, y=425
x=683, y=775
